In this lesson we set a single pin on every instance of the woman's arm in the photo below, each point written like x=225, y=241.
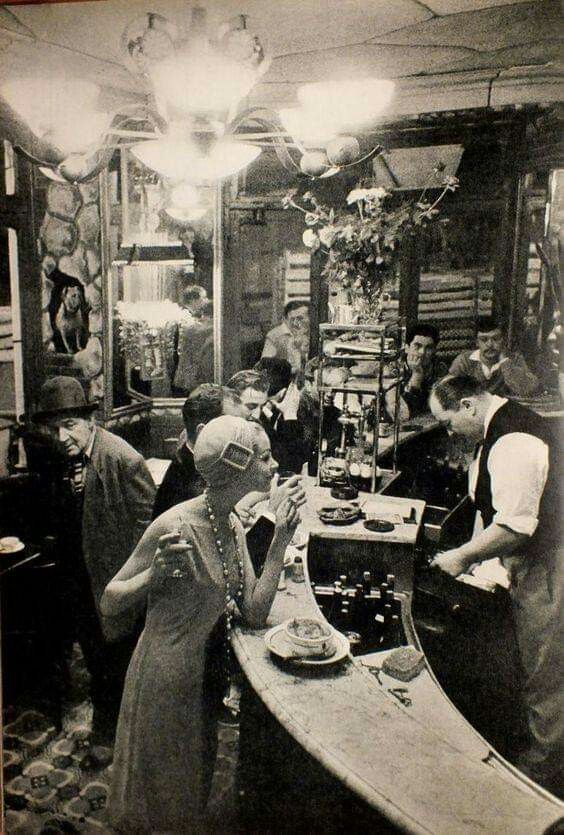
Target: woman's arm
x=258, y=595
x=130, y=585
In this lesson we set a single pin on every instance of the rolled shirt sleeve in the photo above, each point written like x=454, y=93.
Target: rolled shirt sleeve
x=518, y=468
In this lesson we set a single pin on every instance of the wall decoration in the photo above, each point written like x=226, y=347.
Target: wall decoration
x=71, y=284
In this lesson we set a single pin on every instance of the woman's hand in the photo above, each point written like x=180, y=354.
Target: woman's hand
x=290, y=489
x=246, y=508
x=174, y=558
x=287, y=520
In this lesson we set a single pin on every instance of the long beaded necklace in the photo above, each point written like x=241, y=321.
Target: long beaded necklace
x=229, y=595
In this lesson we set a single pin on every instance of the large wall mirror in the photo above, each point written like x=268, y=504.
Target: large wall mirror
x=159, y=295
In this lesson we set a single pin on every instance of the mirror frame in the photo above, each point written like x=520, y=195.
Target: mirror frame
x=140, y=402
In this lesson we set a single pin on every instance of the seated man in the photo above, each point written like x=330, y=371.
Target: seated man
x=419, y=371
x=290, y=340
x=491, y=366
x=182, y=481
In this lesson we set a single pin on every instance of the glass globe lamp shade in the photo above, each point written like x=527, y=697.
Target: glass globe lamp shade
x=180, y=159
x=352, y=103
x=311, y=127
x=185, y=215
x=59, y=111
x=200, y=80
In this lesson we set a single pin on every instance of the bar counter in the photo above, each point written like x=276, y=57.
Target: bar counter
x=423, y=768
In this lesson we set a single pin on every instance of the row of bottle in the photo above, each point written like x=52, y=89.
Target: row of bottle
x=371, y=613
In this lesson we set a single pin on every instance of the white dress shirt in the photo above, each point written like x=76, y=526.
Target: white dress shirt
x=518, y=469
x=487, y=370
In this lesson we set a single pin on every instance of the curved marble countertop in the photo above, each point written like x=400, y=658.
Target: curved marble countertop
x=424, y=767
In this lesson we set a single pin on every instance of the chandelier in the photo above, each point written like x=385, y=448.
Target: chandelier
x=187, y=123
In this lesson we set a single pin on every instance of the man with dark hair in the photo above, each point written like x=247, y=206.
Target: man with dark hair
x=490, y=364
x=290, y=340
x=279, y=373
x=252, y=387
x=419, y=372
x=515, y=484
x=101, y=505
x=181, y=480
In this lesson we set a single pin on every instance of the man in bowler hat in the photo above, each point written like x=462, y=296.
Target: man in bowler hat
x=104, y=498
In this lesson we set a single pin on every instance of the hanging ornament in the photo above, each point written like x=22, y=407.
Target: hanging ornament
x=314, y=163
x=343, y=150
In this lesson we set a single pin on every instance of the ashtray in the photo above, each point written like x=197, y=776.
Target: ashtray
x=347, y=493
x=379, y=525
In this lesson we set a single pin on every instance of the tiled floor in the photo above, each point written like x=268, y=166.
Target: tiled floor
x=58, y=782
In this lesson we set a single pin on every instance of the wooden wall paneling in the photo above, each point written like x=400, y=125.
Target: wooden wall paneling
x=410, y=271
x=233, y=288
x=506, y=259
x=319, y=308
x=18, y=211
x=517, y=275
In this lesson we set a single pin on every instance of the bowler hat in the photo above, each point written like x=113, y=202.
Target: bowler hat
x=61, y=395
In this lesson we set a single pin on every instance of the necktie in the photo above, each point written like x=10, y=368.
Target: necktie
x=76, y=475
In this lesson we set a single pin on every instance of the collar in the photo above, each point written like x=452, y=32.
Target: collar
x=496, y=403
x=487, y=369
x=90, y=445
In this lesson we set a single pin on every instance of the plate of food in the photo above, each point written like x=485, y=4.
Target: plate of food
x=343, y=514
x=307, y=641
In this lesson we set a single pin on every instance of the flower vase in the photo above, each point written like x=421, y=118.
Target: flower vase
x=368, y=310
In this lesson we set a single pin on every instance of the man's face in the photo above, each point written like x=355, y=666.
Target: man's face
x=490, y=345
x=464, y=421
x=298, y=319
x=73, y=434
x=420, y=352
x=253, y=400
x=234, y=408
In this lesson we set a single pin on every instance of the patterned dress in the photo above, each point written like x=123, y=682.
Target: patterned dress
x=166, y=737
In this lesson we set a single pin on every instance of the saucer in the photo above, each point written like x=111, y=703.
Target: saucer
x=12, y=549
x=280, y=645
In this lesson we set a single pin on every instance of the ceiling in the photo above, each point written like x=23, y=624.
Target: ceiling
x=445, y=54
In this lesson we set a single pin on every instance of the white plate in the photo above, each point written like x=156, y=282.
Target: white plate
x=280, y=645
x=15, y=549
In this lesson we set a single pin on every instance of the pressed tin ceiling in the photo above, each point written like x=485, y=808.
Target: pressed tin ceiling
x=443, y=53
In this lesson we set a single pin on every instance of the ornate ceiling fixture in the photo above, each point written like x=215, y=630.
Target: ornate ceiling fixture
x=188, y=126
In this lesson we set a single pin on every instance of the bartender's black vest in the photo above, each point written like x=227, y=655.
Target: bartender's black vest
x=512, y=417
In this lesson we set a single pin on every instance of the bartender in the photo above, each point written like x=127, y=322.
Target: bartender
x=514, y=483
